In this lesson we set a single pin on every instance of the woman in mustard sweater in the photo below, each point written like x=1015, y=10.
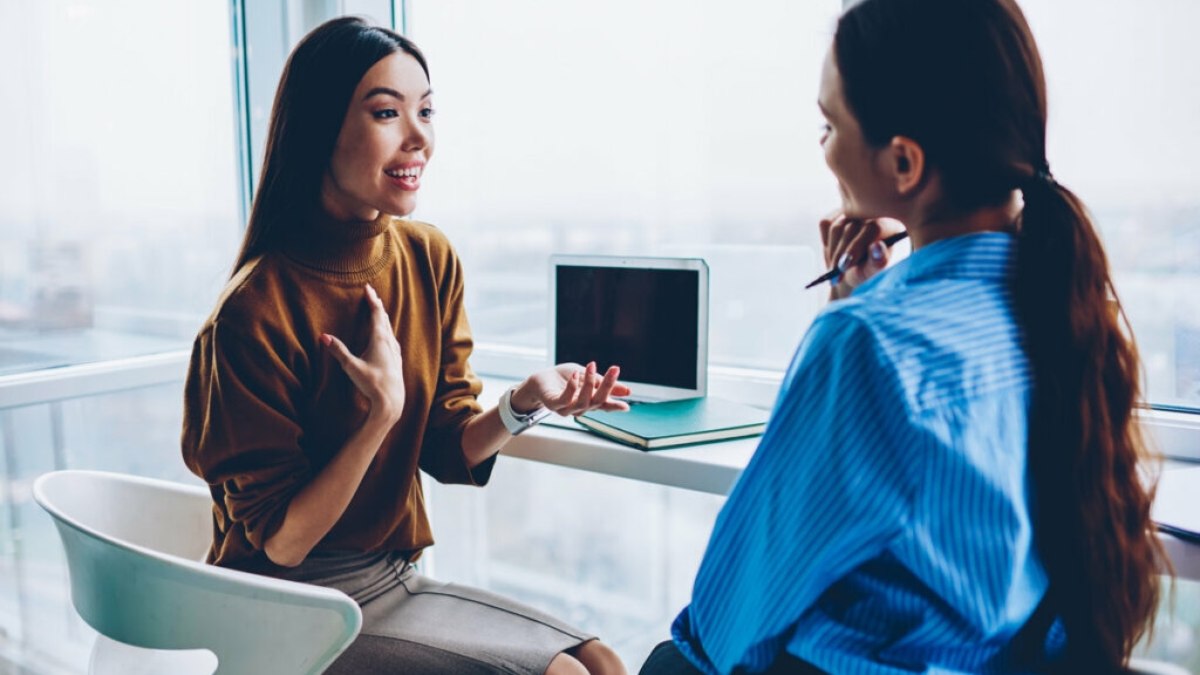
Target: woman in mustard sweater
x=334, y=368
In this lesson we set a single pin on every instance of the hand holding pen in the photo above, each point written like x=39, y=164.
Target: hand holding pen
x=855, y=250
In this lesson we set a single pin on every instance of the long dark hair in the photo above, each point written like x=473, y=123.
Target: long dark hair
x=310, y=106
x=963, y=78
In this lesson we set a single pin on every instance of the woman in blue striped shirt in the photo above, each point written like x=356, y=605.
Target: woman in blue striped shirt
x=949, y=481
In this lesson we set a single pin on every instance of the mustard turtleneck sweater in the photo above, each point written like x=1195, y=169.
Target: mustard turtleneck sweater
x=266, y=406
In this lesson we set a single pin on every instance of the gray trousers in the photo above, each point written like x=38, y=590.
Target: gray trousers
x=413, y=624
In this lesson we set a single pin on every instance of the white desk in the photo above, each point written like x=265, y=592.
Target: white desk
x=711, y=467
x=1177, y=503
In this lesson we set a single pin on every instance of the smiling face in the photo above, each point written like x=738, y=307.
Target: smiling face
x=384, y=144
x=858, y=167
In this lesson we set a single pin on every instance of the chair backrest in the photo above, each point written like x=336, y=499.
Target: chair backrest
x=133, y=547
x=156, y=515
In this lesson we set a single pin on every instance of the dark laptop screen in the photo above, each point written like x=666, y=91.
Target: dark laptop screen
x=644, y=320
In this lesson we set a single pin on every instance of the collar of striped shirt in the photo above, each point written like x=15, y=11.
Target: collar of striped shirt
x=983, y=255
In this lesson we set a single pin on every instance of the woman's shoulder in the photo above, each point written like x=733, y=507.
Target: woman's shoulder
x=852, y=330
x=252, y=296
x=853, y=316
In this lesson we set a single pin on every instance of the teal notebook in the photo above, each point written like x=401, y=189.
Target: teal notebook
x=653, y=426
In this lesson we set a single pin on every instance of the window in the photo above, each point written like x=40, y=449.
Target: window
x=690, y=128
x=563, y=541
x=1124, y=91
x=119, y=196
x=628, y=127
x=120, y=213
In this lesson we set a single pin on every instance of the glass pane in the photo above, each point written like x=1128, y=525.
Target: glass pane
x=628, y=127
x=1176, y=636
x=669, y=126
x=1124, y=92
x=119, y=212
x=134, y=432
x=561, y=540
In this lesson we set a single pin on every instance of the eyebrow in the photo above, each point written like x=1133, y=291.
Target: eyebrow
x=393, y=93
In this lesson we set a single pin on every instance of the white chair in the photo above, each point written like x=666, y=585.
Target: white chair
x=134, y=550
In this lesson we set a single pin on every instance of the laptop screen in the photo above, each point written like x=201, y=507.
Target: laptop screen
x=646, y=315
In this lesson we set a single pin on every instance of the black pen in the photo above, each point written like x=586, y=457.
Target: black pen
x=887, y=241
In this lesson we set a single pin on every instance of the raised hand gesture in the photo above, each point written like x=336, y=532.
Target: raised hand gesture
x=571, y=389
x=378, y=372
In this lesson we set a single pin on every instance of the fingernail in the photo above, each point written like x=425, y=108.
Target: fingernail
x=844, y=261
x=877, y=253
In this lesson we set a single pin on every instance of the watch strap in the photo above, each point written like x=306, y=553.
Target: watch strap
x=515, y=422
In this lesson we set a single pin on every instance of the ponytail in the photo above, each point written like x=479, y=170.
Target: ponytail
x=1091, y=510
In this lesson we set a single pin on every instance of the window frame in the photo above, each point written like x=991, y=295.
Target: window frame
x=1175, y=434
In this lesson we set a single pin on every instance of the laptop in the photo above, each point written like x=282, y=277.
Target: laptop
x=647, y=315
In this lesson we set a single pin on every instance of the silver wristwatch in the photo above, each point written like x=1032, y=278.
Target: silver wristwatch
x=515, y=422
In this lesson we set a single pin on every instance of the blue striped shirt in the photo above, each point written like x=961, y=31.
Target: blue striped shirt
x=883, y=524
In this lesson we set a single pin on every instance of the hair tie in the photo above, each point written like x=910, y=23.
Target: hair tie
x=1043, y=174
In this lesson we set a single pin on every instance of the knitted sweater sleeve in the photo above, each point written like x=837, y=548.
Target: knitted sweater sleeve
x=241, y=434
x=455, y=401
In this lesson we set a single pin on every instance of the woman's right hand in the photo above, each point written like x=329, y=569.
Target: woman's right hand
x=857, y=246
x=378, y=373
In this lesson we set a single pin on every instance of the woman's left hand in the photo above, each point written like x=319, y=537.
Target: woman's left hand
x=856, y=246
x=571, y=389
